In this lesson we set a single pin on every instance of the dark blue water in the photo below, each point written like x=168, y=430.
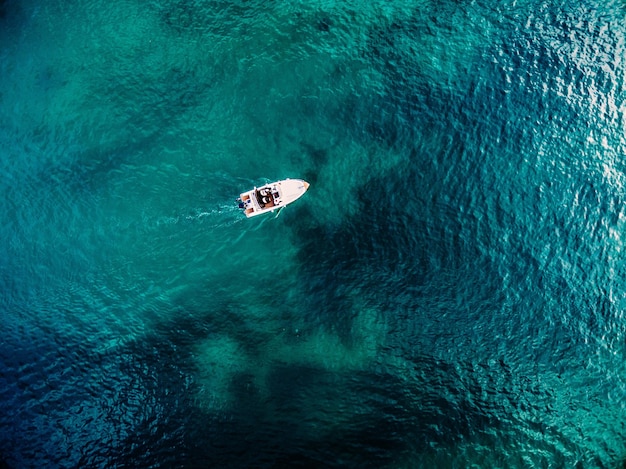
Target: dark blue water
x=451, y=292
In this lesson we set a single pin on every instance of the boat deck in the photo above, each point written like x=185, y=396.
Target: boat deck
x=246, y=200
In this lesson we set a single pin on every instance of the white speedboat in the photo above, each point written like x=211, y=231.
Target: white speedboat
x=271, y=197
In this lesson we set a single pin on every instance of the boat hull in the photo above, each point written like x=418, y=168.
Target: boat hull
x=272, y=196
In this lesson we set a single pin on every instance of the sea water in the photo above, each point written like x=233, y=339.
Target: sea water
x=450, y=292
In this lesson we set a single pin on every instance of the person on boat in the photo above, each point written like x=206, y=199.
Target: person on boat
x=259, y=197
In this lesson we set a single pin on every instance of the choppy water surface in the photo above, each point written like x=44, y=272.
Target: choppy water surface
x=449, y=293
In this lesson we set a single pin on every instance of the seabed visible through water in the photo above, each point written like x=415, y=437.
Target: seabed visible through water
x=449, y=292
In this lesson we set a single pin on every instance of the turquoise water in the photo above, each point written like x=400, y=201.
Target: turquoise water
x=450, y=292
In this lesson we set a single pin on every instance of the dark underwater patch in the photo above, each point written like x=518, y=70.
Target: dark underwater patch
x=216, y=17
x=388, y=249
x=296, y=421
x=305, y=413
x=13, y=16
x=324, y=24
x=184, y=16
x=146, y=104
